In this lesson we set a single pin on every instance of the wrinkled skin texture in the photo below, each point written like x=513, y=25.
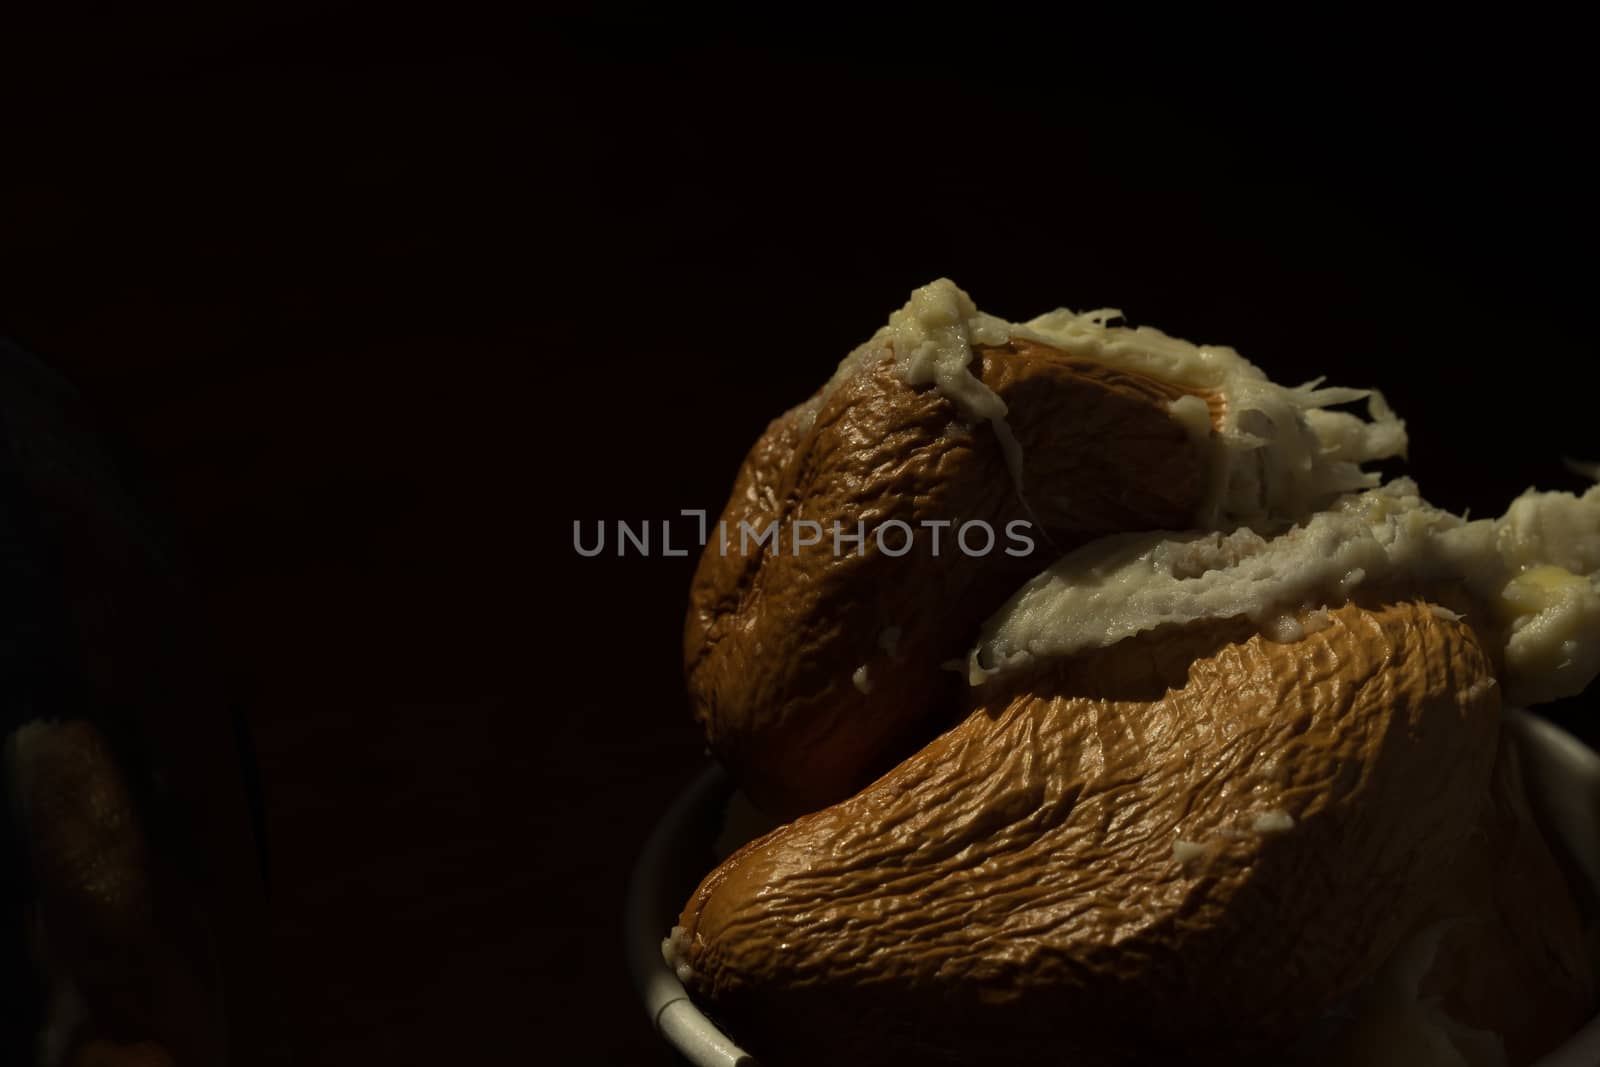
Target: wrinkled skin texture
x=1011, y=892
x=772, y=641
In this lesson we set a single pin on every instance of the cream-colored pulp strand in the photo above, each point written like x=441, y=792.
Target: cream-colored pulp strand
x=1277, y=453
x=1538, y=567
x=1290, y=521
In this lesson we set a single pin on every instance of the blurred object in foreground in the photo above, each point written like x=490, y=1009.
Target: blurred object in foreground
x=132, y=898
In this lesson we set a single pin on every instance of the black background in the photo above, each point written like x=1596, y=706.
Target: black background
x=379, y=305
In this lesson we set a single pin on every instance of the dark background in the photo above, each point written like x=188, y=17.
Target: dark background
x=378, y=306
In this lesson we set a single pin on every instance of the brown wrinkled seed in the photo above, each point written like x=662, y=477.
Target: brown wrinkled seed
x=772, y=640
x=1010, y=893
